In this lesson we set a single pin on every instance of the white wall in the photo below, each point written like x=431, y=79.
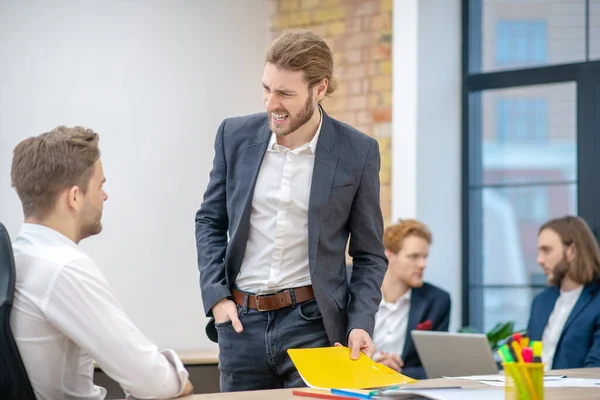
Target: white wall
x=426, y=139
x=154, y=78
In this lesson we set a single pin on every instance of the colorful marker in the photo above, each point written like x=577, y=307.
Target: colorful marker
x=527, y=354
x=524, y=340
x=537, y=351
x=517, y=337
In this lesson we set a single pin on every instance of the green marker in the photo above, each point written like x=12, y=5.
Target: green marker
x=506, y=353
x=507, y=356
x=379, y=391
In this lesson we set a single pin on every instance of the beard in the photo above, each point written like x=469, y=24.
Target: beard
x=295, y=121
x=559, y=272
x=91, y=223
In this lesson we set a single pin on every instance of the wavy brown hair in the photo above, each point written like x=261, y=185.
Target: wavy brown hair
x=303, y=50
x=573, y=230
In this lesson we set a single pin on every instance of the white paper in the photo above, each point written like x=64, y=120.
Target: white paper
x=574, y=382
x=565, y=382
x=308, y=383
x=492, y=383
x=400, y=386
x=496, y=377
x=501, y=378
x=450, y=394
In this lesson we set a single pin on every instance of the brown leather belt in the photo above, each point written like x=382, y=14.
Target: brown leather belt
x=275, y=301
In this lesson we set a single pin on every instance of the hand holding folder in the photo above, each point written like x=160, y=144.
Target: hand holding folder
x=333, y=368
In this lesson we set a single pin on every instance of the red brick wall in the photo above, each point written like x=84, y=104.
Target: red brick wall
x=359, y=33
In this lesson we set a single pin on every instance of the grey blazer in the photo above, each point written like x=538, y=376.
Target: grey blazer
x=344, y=201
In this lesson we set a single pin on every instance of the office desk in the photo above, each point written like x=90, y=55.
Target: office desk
x=550, y=393
x=202, y=366
x=199, y=357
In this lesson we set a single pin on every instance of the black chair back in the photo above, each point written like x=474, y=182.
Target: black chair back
x=14, y=382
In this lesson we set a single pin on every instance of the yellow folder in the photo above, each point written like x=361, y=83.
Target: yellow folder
x=332, y=368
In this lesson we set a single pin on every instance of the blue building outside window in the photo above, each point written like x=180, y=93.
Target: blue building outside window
x=522, y=120
x=521, y=42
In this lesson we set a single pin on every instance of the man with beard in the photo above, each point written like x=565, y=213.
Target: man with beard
x=287, y=189
x=65, y=315
x=566, y=316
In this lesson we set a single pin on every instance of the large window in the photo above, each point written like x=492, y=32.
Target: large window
x=530, y=139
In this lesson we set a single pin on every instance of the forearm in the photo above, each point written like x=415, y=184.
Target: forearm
x=365, y=297
x=211, y=226
x=211, y=244
x=83, y=307
x=415, y=372
x=443, y=321
x=366, y=247
x=593, y=357
x=164, y=377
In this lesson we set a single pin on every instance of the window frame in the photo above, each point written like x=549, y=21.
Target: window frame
x=586, y=76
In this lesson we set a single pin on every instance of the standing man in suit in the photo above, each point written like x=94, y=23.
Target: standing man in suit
x=566, y=316
x=408, y=303
x=287, y=189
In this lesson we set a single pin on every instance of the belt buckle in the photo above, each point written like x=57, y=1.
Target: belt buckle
x=256, y=297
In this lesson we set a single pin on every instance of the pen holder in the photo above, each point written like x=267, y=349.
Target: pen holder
x=523, y=381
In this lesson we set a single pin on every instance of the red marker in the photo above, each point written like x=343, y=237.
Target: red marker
x=527, y=354
x=517, y=337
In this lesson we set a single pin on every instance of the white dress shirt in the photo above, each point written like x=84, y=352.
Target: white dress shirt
x=276, y=255
x=556, y=322
x=391, y=322
x=65, y=315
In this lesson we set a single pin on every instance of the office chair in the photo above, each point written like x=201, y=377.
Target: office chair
x=14, y=382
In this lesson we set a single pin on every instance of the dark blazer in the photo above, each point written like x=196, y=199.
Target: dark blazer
x=344, y=200
x=429, y=309
x=579, y=342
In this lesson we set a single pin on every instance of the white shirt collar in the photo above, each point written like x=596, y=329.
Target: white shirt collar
x=572, y=293
x=312, y=145
x=48, y=234
x=404, y=299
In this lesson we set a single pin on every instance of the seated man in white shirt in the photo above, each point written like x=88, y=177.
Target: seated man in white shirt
x=408, y=303
x=65, y=314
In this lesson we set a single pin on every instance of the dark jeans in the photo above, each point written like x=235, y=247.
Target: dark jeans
x=257, y=358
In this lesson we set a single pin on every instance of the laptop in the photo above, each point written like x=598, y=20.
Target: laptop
x=454, y=354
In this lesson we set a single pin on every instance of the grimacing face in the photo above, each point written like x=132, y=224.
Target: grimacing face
x=410, y=262
x=288, y=100
x=90, y=216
